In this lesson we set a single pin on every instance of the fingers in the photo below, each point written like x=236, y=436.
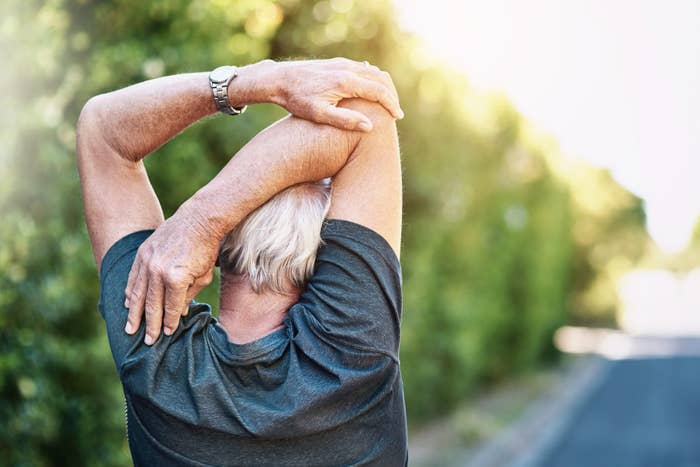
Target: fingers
x=136, y=297
x=382, y=77
x=374, y=73
x=199, y=284
x=175, y=301
x=133, y=274
x=154, y=308
x=375, y=92
x=347, y=119
x=163, y=298
x=313, y=86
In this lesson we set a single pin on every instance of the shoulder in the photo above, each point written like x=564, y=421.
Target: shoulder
x=354, y=296
x=342, y=235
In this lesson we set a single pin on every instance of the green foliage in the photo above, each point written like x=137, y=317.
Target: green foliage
x=609, y=239
x=497, y=243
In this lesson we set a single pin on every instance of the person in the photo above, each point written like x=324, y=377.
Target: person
x=301, y=367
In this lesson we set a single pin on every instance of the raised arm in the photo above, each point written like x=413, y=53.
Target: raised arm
x=117, y=130
x=366, y=190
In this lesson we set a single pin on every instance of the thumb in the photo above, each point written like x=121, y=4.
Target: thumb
x=199, y=284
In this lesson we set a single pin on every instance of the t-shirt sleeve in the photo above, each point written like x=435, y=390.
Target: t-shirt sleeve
x=114, y=275
x=354, y=295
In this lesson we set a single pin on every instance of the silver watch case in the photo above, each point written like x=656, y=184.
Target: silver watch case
x=219, y=80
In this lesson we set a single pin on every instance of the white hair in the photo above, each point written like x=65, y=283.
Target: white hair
x=275, y=246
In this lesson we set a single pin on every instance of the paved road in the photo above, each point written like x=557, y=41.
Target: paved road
x=645, y=412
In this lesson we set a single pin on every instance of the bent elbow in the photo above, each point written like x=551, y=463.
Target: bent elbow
x=91, y=137
x=89, y=118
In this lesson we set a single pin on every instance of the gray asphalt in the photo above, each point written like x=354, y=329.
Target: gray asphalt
x=644, y=413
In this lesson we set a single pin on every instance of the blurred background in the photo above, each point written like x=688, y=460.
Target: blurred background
x=549, y=152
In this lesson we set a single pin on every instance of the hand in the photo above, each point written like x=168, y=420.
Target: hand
x=172, y=266
x=311, y=90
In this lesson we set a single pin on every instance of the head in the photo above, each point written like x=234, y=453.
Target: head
x=275, y=247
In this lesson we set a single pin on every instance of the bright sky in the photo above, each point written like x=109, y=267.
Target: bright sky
x=616, y=82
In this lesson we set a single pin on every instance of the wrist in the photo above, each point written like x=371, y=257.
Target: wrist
x=255, y=83
x=201, y=214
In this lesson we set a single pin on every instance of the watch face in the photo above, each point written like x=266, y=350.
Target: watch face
x=222, y=74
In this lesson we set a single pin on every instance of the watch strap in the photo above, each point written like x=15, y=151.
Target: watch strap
x=220, y=92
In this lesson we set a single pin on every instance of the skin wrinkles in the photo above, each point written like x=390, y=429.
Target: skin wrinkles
x=116, y=130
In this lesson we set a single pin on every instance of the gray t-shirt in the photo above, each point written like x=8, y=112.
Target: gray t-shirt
x=325, y=389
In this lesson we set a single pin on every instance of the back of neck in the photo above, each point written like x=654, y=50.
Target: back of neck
x=246, y=315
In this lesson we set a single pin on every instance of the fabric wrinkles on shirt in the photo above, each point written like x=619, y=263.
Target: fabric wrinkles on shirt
x=333, y=363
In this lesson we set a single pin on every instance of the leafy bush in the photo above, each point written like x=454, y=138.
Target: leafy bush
x=497, y=245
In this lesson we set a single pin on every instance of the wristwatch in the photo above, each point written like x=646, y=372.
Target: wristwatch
x=219, y=79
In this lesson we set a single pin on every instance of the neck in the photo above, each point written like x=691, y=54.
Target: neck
x=246, y=315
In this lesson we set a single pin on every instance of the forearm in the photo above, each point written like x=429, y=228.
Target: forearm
x=289, y=152
x=138, y=119
x=118, y=129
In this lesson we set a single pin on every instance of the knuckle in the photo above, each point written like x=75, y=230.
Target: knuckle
x=342, y=79
x=151, y=306
x=154, y=269
x=349, y=121
x=133, y=297
x=375, y=87
x=171, y=313
x=386, y=78
x=172, y=277
x=315, y=113
x=145, y=251
x=140, y=284
x=138, y=295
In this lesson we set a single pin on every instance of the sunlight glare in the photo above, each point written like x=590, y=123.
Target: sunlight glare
x=614, y=82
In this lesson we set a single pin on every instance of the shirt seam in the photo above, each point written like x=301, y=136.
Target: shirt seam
x=389, y=257
x=113, y=254
x=338, y=228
